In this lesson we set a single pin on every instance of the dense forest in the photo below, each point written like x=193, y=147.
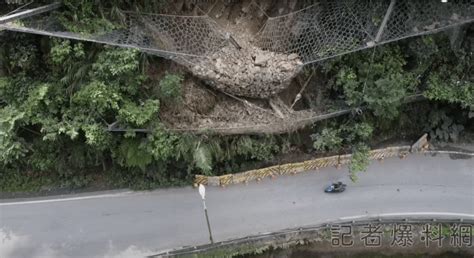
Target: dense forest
x=59, y=97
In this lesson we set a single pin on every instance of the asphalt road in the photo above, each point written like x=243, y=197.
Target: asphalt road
x=126, y=224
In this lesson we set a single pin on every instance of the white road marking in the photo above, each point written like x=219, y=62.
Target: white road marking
x=112, y=195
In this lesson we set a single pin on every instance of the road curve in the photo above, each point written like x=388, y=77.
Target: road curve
x=124, y=224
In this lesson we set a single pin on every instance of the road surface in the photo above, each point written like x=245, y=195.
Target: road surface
x=124, y=224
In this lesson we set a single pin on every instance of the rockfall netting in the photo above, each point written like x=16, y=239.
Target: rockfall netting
x=331, y=28
x=263, y=66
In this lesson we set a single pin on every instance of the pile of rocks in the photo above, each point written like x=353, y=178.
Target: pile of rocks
x=248, y=72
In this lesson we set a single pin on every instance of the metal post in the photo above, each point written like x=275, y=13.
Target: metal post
x=207, y=220
x=202, y=192
x=385, y=20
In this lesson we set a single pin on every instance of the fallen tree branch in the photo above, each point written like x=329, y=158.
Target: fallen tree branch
x=275, y=108
x=244, y=101
x=299, y=95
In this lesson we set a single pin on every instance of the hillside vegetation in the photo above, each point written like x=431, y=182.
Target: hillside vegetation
x=59, y=100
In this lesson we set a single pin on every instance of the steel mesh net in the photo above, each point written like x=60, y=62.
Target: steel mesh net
x=331, y=28
x=317, y=32
x=411, y=18
x=321, y=30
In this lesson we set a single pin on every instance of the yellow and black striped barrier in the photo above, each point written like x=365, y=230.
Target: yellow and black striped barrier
x=294, y=168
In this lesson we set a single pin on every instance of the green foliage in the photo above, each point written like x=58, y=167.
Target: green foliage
x=138, y=115
x=451, y=90
x=151, y=178
x=20, y=181
x=334, y=138
x=170, y=87
x=83, y=17
x=376, y=80
x=353, y=135
x=120, y=68
x=254, y=148
x=23, y=58
x=57, y=97
x=359, y=161
x=11, y=148
x=116, y=63
x=442, y=127
x=203, y=159
x=227, y=154
x=386, y=95
x=62, y=50
x=328, y=139
x=97, y=136
x=448, y=71
x=15, y=90
x=66, y=107
x=4, y=87
x=44, y=158
x=206, y=153
x=161, y=144
x=132, y=153
x=98, y=97
x=35, y=98
x=359, y=132
x=69, y=62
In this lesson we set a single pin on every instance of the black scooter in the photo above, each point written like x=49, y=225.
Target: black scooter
x=338, y=187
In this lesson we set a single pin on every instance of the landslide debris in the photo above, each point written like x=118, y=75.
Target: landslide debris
x=248, y=72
